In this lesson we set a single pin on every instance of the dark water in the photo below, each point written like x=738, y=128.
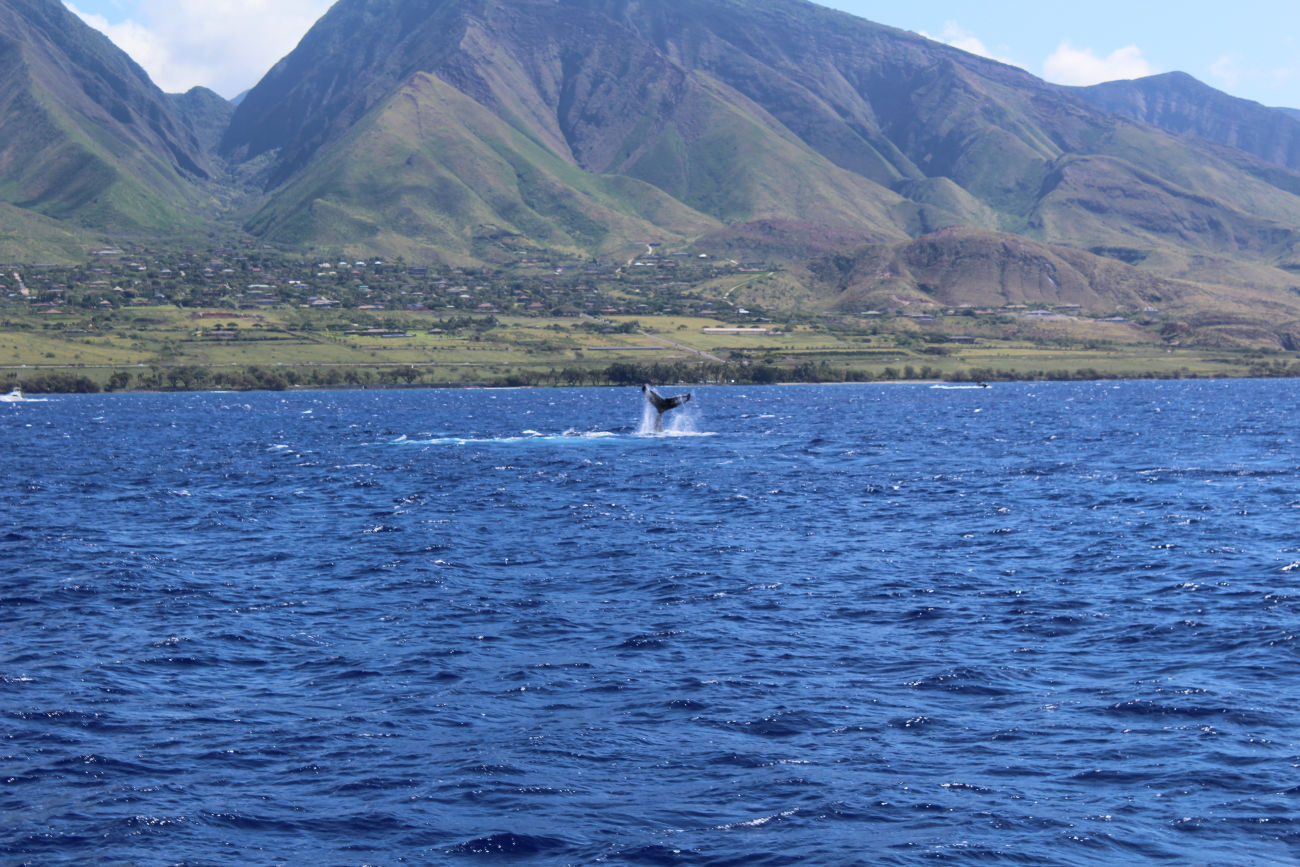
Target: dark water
x=1034, y=624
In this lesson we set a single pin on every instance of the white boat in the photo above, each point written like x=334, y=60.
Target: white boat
x=12, y=397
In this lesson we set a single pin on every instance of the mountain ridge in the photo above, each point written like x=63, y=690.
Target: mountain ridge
x=1178, y=103
x=478, y=132
x=85, y=136
x=887, y=107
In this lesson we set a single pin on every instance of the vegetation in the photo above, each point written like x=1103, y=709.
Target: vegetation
x=585, y=189
x=255, y=319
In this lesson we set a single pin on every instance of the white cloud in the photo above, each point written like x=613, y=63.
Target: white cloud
x=129, y=36
x=1082, y=66
x=958, y=37
x=1229, y=73
x=1226, y=71
x=227, y=45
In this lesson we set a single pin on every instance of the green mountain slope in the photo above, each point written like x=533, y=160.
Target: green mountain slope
x=85, y=137
x=754, y=117
x=445, y=179
x=26, y=236
x=924, y=111
x=478, y=131
x=582, y=93
x=205, y=112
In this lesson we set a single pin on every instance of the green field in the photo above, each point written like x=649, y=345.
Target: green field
x=170, y=347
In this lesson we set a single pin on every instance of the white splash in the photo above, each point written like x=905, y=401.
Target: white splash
x=680, y=422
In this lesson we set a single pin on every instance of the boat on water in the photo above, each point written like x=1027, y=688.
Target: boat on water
x=14, y=396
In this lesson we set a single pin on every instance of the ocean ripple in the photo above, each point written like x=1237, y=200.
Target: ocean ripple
x=1029, y=624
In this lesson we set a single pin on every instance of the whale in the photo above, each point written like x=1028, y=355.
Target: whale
x=663, y=404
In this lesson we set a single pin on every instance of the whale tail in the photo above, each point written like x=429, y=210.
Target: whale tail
x=663, y=404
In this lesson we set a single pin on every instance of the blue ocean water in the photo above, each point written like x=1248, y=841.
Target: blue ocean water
x=877, y=624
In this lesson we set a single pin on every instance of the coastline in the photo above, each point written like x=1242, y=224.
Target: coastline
x=954, y=385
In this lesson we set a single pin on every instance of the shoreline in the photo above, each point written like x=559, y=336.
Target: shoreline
x=954, y=385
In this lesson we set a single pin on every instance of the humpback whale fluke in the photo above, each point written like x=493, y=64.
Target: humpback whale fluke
x=662, y=404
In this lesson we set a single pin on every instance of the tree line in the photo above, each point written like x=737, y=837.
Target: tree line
x=193, y=377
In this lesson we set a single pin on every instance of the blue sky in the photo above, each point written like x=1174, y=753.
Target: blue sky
x=1249, y=49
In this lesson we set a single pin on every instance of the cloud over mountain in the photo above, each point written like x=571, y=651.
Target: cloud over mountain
x=224, y=46
x=1083, y=66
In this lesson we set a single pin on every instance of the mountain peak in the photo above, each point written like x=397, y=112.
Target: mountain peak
x=1183, y=105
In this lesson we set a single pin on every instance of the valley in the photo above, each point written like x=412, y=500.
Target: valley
x=476, y=192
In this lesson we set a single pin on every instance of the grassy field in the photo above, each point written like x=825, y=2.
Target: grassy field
x=145, y=347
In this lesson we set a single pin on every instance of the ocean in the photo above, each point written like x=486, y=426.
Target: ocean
x=1036, y=623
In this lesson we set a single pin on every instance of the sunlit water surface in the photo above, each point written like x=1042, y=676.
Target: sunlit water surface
x=1029, y=624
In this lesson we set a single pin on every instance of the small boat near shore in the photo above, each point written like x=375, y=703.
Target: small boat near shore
x=17, y=396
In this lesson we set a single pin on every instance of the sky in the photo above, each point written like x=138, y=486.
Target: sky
x=1250, y=48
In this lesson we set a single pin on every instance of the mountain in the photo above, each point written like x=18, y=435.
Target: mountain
x=442, y=128
x=205, y=112
x=85, y=137
x=26, y=236
x=873, y=163
x=1180, y=104
x=554, y=123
